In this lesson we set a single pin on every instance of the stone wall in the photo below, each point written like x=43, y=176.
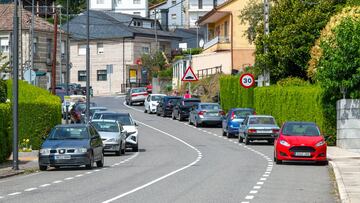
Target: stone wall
x=348, y=124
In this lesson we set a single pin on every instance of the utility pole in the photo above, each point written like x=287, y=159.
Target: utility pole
x=15, y=86
x=67, y=60
x=53, y=69
x=266, y=74
x=87, y=62
x=155, y=27
x=32, y=37
x=61, y=81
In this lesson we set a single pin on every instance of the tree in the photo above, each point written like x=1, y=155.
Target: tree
x=4, y=68
x=294, y=27
x=252, y=15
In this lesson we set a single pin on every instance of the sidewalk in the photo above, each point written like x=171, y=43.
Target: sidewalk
x=346, y=165
x=28, y=161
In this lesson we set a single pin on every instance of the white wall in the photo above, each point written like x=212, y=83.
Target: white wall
x=107, y=5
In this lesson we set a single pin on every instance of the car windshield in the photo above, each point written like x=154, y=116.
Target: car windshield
x=80, y=107
x=65, y=133
x=123, y=119
x=92, y=111
x=300, y=129
x=190, y=102
x=243, y=113
x=156, y=98
x=261, y=121
x=210, y=106
x=106, y=126
x=137, y=90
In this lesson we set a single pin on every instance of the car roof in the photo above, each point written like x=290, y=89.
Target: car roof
x=239, y=109
x=105, y=120
x=257, y=116
x=207, y=103
x=112, y=113
x=77, y=125
x=157, y=94
x=299, y=122
x=98, y=107
x=172, y=97
x=191, y=99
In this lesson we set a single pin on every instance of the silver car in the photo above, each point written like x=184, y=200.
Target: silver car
x=258, y=127
x=206, y=113
x=112, y=134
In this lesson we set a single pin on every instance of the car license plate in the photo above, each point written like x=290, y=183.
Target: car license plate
x=303, y=154
x=263, y=131
x=212, y=114
x=62, y=157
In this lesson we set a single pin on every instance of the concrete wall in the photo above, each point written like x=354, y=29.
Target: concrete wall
x=210, y=60
x=348, y=124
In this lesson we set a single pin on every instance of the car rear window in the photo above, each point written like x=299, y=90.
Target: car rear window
x=300, y=129
x=106, y=126
x=210, y=106
x=243, y=113
x=156, y=98
x=190, y=102
x=137, y=90
x=262, y=121
x=123, y=119
x=65, y=133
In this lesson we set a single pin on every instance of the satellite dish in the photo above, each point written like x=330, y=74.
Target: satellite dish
x=201, y=43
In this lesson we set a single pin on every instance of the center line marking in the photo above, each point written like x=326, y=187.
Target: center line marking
x=253, y=191
x=15, y=193
x=45, y=185
x=249, y=197
x=79, y=175
x=30, y=189
x=57, y=181
x=70, y=178
x=260, y=183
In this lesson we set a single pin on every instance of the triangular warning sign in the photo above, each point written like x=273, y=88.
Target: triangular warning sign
x=189, y=75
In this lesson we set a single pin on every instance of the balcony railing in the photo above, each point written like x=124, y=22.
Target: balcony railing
x=216, y=40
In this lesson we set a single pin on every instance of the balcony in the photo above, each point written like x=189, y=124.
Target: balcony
x=219, y=43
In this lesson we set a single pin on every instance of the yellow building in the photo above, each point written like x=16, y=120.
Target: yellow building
x=225, y=44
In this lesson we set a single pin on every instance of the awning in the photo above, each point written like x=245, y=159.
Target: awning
x=213, y=16
x=40, y=73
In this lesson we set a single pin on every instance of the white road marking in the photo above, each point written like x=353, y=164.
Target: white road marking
x=257, y=187
x=69, y=178
x=253, y=192
x=1, y=197
x=162, y=177
x=260, y=183
x=245, y=202
x=45, y=185
x=30, y=189
x=249, y=197
x=80, y=175
x=89, y=172
x=57, y=181
x=266, y=175
x=97, y=170
x=263, y=179
x=14, y=193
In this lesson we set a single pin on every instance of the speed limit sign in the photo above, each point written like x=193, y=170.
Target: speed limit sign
x=247, y=80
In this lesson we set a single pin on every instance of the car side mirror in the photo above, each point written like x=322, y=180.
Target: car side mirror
x=136, y=124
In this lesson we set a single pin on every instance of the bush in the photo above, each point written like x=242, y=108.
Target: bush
x=3, y=91
x=5, y=138
x=232, y=94
x=39, y=112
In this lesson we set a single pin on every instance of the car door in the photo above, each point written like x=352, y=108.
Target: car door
x=147, y=103
x=225, y=121
x=122, y=135
x=176, y=108
x=96, y=143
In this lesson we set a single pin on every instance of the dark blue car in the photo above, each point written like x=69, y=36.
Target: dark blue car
x=72, y=145
x=231, y=122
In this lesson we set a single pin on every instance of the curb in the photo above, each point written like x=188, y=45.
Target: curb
x=12, y=173
x=344, y=198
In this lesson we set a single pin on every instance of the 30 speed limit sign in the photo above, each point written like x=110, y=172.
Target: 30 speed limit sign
x=247, y=80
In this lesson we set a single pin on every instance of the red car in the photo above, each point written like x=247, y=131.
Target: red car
x=300, y=141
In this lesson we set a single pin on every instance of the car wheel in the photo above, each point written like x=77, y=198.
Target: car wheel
x=100, y=163
x=223, y=133
x=277, y=161
x=42, y=168
x=240, y=139
x=322, y=163
x=130, y=103
x=135, y=149
x=197, y=124
x=123, y=149
x=163, y=114
x=229, y=135
x=145, y=111
x=270, y=142
x=180, y=118
x=57, y=167
x=91, y=164
x=247, y=141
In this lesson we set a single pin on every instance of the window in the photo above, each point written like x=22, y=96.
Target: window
x=173, y=16
x=137, y=13
x=100, y=1
x=36, y=45
x=173, y=2
x=100, y=48
x=4, y=44
x=119, y=1
x=137, y=23
x=48, y=48
x=136, y=1
x=82, y=49
x=81, y=75
x=226, y=29
x=145, y=50
x=63, y=48
x=101, y=75
x=200, y=4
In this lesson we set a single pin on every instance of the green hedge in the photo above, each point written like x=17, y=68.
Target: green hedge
x=39, y=112
x=5, y=138
x=3, y=91
x=232, y=94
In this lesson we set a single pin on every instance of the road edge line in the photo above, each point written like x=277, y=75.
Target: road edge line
x=344, y=198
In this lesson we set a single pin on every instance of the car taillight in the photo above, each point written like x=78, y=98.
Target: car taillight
x=222, y=113
x=252, y=131
x=232, y=116
x=134, y=95
x=275, y=131
x=201, y=113
x=254, y=112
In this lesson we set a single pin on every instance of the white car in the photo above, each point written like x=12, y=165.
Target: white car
x=151, y=102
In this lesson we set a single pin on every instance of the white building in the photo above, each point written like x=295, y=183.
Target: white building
x=134, y=7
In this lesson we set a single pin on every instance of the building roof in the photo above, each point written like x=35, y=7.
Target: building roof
x=213, y=12
x=112, y=25
x=6, y=20
x=157, y=5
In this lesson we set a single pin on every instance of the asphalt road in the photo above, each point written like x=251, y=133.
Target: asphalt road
x=177, y=163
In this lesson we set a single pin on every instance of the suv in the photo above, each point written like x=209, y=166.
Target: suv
x=182, y=107
x=136, y=95
x=166, y=104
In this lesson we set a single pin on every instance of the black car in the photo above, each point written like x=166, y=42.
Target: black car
x=72, y=145
x=182, y=107
x=166, y=105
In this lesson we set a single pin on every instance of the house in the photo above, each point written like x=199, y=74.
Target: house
x=134, y=7
x=117, y=42
x=181, y=13
x=191, y=38
x=43, y=45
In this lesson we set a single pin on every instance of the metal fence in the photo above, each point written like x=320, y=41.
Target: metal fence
x=204, y=73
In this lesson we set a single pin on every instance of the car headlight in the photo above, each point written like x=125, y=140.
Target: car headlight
x=81, y=150
x=45, y=151
x=112, y=140
x=321, y=143
x=283, y=142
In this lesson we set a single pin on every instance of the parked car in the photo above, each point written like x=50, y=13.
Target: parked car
x=83, y=91
x=92, y=110
x=72, y=145
x=258, y=127
x=112, y=134
x=231, y=122
x=151, y=102
x=73, y=99
x=125, y=119
x=300, y=141
x=77, y=112
x=182, y=107
x=206, y=113
x=166, y=105
x=136, y=95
